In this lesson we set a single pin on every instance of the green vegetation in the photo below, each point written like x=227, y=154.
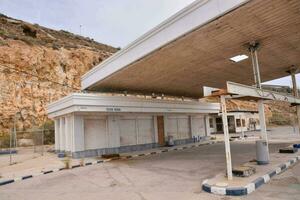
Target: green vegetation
x=67, y=162
x=2, y=32
x=279, y=118
x=48, y=128
x=4, y=141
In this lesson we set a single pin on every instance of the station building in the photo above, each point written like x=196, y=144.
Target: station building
x=94, y=124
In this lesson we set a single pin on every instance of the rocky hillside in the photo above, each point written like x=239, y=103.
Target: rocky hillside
x=277, y=113
x=39, y=65
x=282, y=113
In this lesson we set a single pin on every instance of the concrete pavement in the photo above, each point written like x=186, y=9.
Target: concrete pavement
x=284, y=186
x=176, y=175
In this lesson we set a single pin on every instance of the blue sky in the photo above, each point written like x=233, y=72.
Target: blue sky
x=113, y=22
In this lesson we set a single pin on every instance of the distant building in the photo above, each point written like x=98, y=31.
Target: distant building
x=238, y=121
x=278, y=88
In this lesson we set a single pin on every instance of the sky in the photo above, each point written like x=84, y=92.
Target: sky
x=112, y=22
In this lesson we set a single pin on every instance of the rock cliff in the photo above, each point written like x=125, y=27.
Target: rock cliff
x=39, y=65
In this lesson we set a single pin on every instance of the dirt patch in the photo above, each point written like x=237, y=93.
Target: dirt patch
x=285, y=181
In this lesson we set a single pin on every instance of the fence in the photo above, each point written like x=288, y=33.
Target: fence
x=20, y=145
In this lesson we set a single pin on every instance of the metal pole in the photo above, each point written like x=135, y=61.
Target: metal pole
x=253, y=65
x=258, y=80
x=226, y=137
x=15, y=131
x=293, y=76
x=242, y=127
x=293, y=72
x=10, y=143
x=262, y=119
x=43, y=132
x=261, y=110
x=298, y=117
x=253, y=49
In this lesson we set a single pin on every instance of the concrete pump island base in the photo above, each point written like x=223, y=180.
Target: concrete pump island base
x=245, y=185
x=265, y=167
x=88, y=125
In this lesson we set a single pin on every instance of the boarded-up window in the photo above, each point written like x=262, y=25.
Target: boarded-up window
x=95, y=134
x=128, y=132
x=145, y=130
x=179, y=127
x=211, y=123
x=238, y=122
x=243, y=122
x=136, y=130
x=199, y=126
x=172, y=128
x=183, y=128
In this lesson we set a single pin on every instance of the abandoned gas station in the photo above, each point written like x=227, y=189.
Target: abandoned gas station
x=233, y=45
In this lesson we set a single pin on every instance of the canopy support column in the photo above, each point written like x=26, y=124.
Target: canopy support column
x=226, y=137
x=263, y=130
x=242, y=127
x=262, y=119
x=293, y=71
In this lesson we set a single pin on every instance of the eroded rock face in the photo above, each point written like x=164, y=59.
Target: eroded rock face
x=32, y=76
x=235, y=105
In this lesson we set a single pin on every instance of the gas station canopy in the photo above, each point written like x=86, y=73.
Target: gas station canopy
x=193, y=48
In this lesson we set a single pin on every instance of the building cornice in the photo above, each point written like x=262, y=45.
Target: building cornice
x=82, y=102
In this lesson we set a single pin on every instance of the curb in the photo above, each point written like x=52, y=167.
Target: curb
x=244, y=190
x=5, y=182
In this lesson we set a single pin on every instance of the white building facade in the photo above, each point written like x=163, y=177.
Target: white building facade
x=93, y=125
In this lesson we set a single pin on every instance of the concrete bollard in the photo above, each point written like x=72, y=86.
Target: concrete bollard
x=262, y=152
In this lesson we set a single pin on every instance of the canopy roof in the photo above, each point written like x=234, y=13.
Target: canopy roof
x=192, y=49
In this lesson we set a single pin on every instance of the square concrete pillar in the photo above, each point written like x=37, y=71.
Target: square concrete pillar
x=57, y=134
x=62, y=134
x=207, y=125
x=67, y=134
x=71, y=128
x=155, y=129
x=191, y=124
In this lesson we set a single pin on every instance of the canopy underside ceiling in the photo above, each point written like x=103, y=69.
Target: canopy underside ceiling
x=201, y=58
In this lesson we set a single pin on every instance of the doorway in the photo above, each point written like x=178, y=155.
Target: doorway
x=231, y=124
x=219, y=124
x=161, y=130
